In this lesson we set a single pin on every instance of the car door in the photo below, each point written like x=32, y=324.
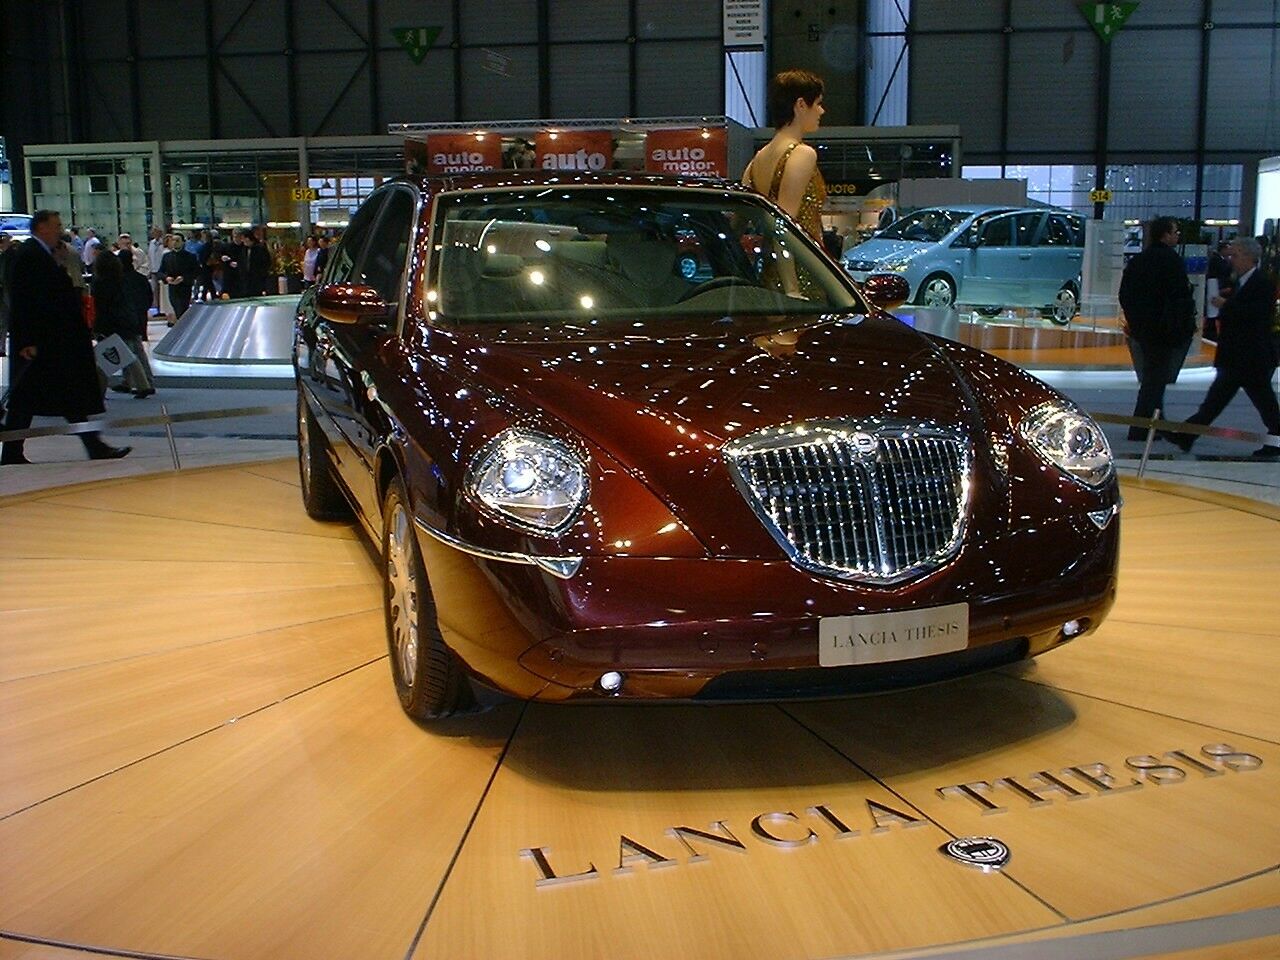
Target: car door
x=1057, y=260
x=363, y=351
x=1021, y=279
x=319, y=367
x=991, y=262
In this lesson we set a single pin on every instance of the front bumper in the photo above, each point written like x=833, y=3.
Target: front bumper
x=686, y=628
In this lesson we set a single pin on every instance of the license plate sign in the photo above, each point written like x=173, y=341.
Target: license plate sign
x=900, y=635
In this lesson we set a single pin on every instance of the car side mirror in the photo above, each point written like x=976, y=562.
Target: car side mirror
x=886, y=290
x=350, y=303
x=975, y=238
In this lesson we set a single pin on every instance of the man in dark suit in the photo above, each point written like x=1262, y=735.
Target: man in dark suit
x=1159, y=315
x=257, y=265
x=52, y=368
x=1246, y=358
x=178, y=270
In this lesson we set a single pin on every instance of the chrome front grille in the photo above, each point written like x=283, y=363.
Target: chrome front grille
x=871, y=500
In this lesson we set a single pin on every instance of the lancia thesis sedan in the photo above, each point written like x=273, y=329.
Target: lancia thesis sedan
x=594, y=473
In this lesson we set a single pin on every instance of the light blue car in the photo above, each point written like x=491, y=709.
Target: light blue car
x=990, y=257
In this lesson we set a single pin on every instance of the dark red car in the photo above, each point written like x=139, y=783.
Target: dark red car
x=592, y=476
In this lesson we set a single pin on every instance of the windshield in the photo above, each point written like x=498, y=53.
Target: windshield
x=592, y=257
x=15, y=222
x=927, y=226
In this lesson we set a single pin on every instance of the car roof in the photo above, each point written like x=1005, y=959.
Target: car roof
x=567, y=178
x=965, y=207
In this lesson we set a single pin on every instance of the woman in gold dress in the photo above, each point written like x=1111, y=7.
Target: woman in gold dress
x=786, y=168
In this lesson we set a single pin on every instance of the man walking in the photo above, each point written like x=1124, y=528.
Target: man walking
x=157, y=247
x=89, y=249
x=1246, y=358
x=52, y=367
x=1160, y=317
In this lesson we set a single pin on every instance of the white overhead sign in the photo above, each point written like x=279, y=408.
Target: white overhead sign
x=744, y=23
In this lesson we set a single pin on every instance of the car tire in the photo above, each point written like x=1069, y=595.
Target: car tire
x=988, y=312
x=1064, y=307
x=321, y=495
x=429, y=680
x=937, y=290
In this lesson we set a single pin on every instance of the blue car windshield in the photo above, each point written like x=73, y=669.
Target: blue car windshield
x=926, y=226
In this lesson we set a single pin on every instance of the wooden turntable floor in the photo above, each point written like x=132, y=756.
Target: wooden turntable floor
x=202, y=756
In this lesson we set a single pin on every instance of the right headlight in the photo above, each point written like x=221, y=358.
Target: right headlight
x=530, y=481
x=1070, y=440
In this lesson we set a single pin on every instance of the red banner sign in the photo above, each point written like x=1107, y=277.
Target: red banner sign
x=698, y=152
x=574, y=150
x=463, y=153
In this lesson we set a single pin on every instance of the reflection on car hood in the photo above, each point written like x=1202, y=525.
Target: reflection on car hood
x=663, y=409
x=878, y=249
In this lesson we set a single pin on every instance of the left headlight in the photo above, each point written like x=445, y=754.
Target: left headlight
x=896, y=266
x=529, y=481
x=1070, y=440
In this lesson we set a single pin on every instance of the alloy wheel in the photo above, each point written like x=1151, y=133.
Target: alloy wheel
x=402, y=580
x=1064, y=306
x=937, y=293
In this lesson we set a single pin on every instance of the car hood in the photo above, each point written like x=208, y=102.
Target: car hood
x=664, y=409
x=879, y=249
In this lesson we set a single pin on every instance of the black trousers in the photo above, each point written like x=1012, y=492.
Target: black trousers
x=1226, y=384
x=1157, y=365
x=180, y=298
x=19, y=418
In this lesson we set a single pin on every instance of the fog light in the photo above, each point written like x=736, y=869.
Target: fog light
x=611, y=682
x=1072, y=628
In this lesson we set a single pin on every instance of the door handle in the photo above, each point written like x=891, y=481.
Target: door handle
x=1024, y=256
x=1073, y=256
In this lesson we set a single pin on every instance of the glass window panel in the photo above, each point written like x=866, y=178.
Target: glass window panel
x=1025, y=226
x=383, y=264
x=343, y=260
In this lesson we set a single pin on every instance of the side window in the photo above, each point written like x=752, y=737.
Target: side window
x=1077, y=228
x=1025, y=226
x=342, y=259
x=383, y=265
x=998, y=232
x=1057, y=233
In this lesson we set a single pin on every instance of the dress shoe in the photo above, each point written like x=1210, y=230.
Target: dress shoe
x=1183, y=441
x=1267, y=453
x=143, y=394
x=104, y=451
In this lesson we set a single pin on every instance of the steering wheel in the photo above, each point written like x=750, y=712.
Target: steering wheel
x=715, y=283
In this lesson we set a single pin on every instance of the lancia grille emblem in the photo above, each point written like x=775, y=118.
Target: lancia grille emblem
x=864, y=444
x=985, y=853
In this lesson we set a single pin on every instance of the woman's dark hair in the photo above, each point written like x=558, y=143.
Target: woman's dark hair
x=786, y=87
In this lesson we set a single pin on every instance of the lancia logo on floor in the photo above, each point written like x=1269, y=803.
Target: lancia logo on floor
x=985, y=853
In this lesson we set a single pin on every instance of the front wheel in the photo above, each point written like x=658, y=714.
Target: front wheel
x=938, y=290
x=428, y=677
x=1064, y=307
x=321, y=495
